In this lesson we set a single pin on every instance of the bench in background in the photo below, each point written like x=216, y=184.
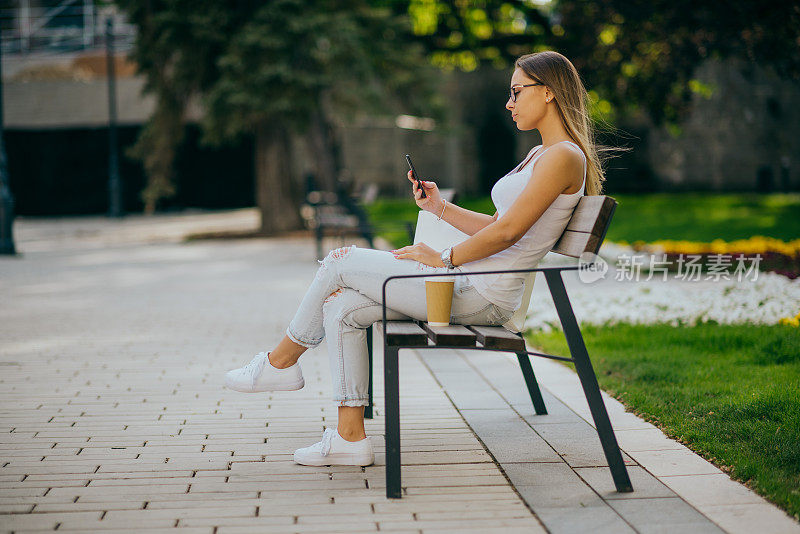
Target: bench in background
x=339, y=214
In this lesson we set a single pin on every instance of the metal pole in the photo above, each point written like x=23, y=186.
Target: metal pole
x=25, y=25
x=114, y=185
x=6, y=198
x=88, y=23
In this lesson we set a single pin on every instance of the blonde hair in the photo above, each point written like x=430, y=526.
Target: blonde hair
x=560, y=76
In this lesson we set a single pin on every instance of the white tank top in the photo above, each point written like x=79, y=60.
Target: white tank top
x=505, y=290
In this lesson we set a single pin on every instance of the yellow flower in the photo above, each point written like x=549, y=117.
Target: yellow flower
x=789, y=321
x=757, y=244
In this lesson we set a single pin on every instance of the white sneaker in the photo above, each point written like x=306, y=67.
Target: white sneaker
x=260, y=375
x=335, y=450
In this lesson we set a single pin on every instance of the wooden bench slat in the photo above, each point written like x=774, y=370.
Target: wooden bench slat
x=592, y=215
x=404, y=333
x=497, y=337
x=451, y=335
x=576, y=243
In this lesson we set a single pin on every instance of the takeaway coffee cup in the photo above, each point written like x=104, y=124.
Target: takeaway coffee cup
x=439, y=293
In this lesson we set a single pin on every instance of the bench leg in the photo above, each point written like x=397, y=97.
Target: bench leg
x=530, y=381
x=583, y=366
x=392, y=414
x=368, y=408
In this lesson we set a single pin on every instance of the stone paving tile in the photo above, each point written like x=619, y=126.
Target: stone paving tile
x=748, y=518
x=479, y=530
x=577, y=443
x=496, y=524
x=645, y=485
x=259, y=527
x=103, y=529
x=508, y=437
x=645, y=439
x=663, y=514
x=595, y=519
x=713, y=489
x=47, y=521
x=665, y=463
x=82, y=506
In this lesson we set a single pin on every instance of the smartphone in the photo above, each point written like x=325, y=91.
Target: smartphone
x=415, y=176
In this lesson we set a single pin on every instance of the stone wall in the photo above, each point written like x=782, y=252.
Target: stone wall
x=745, y=136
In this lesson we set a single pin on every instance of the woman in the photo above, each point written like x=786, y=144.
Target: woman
x=534, y=203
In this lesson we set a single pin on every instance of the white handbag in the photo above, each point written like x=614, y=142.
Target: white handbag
x=439, y=234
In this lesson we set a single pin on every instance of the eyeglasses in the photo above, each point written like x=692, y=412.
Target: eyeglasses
x=513, y=94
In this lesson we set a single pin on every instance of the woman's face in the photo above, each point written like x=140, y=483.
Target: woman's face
x=530, y=106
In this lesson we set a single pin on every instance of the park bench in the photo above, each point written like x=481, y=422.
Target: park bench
x=584, y=233
x=339, y=214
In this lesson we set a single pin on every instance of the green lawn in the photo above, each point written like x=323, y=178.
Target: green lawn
x=690, y=216
x=705, y=217
x=730, y=393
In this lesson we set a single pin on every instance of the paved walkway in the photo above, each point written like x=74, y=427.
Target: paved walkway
x=115, y=337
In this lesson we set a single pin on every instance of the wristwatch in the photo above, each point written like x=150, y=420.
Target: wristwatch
x=447, y=258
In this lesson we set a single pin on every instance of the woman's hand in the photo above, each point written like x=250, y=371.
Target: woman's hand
x=421, y=253
x=432, y=201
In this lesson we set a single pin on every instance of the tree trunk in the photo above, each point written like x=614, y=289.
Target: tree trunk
x=325, y=147
x=275, y=189
x=156, y=147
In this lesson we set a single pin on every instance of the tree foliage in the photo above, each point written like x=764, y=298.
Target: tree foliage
x=632, y=54
x=464, y=34
x=293, y=59
x=644, y=54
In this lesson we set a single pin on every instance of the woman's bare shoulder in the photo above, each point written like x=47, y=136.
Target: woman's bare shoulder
x=563, y=156
x=564, y=162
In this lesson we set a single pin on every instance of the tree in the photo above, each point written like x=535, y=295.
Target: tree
x=177, y=45
x=268, y=69
x=298, y=64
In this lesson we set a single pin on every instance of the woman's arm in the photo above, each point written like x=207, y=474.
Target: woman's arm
x=554, y=173
x=467, y=221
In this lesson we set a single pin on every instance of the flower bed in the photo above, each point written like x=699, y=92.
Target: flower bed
x=769, y=298
x=775, y=255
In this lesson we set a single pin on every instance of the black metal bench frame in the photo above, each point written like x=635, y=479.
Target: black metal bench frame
x=579, y=357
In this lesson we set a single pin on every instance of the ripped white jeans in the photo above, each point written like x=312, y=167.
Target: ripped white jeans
x=345, y=299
